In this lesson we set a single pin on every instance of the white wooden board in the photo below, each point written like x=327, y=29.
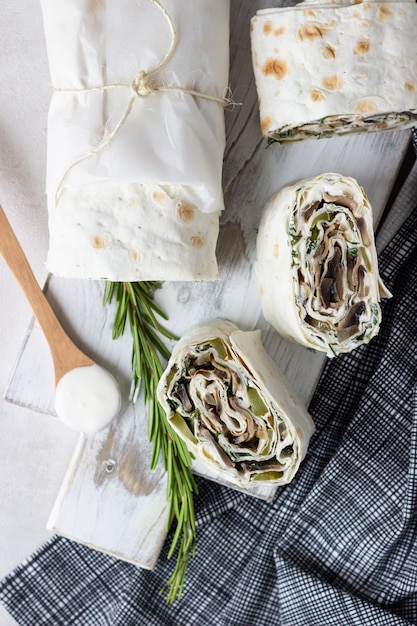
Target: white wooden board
x=109, y=499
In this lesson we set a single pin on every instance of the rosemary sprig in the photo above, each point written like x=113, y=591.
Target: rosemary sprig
x=135, y=305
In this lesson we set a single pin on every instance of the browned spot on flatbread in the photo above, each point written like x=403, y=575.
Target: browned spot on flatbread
x=366, y=106
x=275, y=251
x=134, y=254
x=159, y=196
x=99, y=241
x=278, y=68
x=409, y=85
x=383, y=13
x=310, y=12
x=362, y=46
x=261, y=291
x=186, y=211
x=133, y=202
x=197, y=241
x=332, y=82
x=267, y=28
x=366, y=6
x=94, y=5
x=266, y=124
x=313, y=30
x=279, y=31
x=316, y=95
x=329, y=52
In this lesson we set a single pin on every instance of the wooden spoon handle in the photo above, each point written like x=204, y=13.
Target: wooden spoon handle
x=65, y=354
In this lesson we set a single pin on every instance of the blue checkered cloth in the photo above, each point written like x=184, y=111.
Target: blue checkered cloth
x=338, y=546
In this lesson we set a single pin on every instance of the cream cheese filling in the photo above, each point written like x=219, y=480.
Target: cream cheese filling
x=335, y=289
x=341, y=125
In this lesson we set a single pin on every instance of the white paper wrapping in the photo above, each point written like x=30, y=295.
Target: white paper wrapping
x=233, y=407
x=146, y=205
x=335, y=68
x=317, y=264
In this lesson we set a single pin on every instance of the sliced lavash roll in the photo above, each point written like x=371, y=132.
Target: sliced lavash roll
x=233, y=407
x=335, y=68
x=317, y=264
x=135, y=148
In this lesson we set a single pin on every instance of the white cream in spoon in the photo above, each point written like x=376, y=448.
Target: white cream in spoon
x=87, y=398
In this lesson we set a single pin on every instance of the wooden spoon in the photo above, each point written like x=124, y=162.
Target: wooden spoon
x=66, y=356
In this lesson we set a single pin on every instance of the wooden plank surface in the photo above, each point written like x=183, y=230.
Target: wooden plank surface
x=109, y=498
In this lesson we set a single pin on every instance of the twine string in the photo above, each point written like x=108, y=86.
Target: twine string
x=140, y=87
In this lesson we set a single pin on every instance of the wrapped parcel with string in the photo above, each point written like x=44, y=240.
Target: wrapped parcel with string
x=340, y=67
x=233, y=407
x=317, y=264
x=136, y=137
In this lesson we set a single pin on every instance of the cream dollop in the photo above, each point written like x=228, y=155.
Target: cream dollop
x=87, y=398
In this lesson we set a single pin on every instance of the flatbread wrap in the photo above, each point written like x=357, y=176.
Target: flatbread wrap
x=317, y=264
x=325, y=69
x=233, y=407
x=135, y=137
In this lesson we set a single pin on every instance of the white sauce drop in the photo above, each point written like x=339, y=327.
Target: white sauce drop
x=87, y=398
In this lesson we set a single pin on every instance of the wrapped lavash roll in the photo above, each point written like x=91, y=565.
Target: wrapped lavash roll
x=335, y=68
x=233, y=407
x=135, y=137
x=317, y=264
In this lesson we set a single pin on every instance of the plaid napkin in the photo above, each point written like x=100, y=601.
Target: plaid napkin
x=338, y=546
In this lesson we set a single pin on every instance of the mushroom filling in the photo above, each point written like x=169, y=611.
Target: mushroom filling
x=335, y=287
x=342, y=125
x=223, y=407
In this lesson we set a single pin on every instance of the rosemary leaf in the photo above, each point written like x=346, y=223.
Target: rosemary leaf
x=180, y=522
x=190, y=484
x=135, y=306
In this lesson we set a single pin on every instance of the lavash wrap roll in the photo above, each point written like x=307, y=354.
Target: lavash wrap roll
x=317, y=264
x=146, y=205
x=232, y=406
x=335, y=68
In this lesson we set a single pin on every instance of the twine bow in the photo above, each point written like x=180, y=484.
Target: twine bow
x=140, y=85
